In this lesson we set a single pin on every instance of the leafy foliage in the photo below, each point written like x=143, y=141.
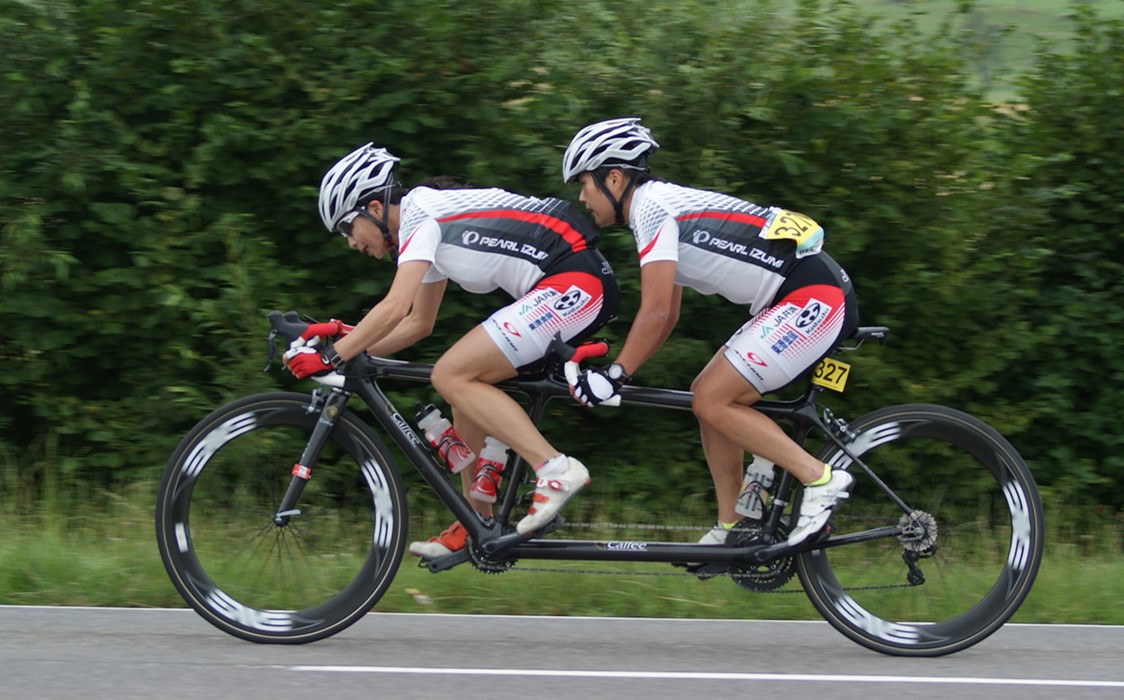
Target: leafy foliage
x=1066, y=145
x=159, y=166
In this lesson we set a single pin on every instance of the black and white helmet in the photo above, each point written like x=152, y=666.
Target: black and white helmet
x=618, y=142
x=357, y=176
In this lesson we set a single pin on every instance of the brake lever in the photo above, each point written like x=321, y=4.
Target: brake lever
x=272, y=351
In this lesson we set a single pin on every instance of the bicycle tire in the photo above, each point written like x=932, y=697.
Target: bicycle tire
x=988, y=539
x=299, y=582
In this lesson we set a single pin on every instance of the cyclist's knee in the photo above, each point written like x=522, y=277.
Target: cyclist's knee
x=709, y=398
x=445, y=378
x=696, y=383
x=450, y=375
x=704, y=403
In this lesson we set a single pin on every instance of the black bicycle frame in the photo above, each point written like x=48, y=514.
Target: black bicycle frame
x=363, y=378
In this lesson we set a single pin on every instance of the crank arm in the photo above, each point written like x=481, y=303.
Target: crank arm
x=446, y=562
x=499, y=545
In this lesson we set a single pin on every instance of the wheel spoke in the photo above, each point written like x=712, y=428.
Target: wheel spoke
x=973, y=485
x=296, y=582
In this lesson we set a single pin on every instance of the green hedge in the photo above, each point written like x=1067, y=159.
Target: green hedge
x=159, y=165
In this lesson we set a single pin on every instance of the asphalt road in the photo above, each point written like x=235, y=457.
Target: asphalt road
x=130, y=653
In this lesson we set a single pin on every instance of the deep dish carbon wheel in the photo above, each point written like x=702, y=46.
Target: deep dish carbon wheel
x=299, y=581
x=974, y=538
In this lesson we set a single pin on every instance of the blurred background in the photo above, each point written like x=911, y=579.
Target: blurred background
x=159, y=167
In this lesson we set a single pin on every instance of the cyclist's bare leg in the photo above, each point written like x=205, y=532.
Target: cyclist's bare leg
x=724, y=458
x=474, y=437
x=723, y=401
x=465, y=375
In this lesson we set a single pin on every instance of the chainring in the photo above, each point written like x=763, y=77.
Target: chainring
x=484, y=562
x=760, y=578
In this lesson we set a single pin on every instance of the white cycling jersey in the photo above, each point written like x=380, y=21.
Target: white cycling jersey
x=716, y=242
x=484, y=239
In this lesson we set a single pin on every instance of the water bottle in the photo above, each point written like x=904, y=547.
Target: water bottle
x=755, y=488
x=443, y=436
x=489, y=470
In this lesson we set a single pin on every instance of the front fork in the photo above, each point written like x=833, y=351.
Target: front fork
x=330, y=409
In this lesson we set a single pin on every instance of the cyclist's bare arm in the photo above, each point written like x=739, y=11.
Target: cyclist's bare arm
x=660, y=299
x=418, y=323
x=381, y=320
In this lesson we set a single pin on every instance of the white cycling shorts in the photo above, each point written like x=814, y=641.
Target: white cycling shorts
x=782, y=342
x=569, y=303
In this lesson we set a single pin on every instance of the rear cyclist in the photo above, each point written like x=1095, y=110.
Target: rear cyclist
x=540, y=251
x=800, y=303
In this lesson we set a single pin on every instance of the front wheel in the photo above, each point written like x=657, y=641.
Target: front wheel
x=972, y=542
x=286, y=580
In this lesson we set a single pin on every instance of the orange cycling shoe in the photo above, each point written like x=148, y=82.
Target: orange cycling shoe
x=449, y=541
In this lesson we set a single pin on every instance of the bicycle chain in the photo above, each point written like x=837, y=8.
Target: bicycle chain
x=516, y=566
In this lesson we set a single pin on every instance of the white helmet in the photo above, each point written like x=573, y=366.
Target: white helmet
x=357, y=176
x=617, y=142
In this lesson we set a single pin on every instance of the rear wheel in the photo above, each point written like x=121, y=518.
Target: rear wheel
x=300, y=580
x=973, y=541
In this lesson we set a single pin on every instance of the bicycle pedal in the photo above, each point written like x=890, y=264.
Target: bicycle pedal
x=550, y=527
x=822, y=535
x=444, y=562
x=707, y=571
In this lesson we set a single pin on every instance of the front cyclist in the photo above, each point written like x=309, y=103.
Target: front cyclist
x=540, y=251
x=800, y=304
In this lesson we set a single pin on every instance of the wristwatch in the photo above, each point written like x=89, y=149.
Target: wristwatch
x=617, y=374
x=333, y=358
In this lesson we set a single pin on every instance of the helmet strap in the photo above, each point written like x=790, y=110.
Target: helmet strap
x=618, y=204
x=384, y=228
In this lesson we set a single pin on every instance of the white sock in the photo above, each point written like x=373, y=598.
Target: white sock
x=553, y=467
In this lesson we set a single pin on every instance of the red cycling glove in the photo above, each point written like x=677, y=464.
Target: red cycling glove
x=307, y=362
x=334, y=328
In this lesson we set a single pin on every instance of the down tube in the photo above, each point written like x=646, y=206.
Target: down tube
x=408, y=441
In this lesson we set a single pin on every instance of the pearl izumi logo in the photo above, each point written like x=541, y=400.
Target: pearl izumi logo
x=478, y=241
x=704, y=239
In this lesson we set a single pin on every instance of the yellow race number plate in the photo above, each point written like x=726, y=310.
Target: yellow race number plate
x=831, y=374
x=782, y=224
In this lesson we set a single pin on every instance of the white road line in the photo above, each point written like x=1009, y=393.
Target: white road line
x=566, y=618
x=694, y=676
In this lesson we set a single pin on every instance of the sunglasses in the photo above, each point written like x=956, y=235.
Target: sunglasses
x=345, y=224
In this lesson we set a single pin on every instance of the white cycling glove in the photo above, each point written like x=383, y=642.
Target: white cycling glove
x=599, y=384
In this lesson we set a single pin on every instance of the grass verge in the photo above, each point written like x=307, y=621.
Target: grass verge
x=109, y=558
